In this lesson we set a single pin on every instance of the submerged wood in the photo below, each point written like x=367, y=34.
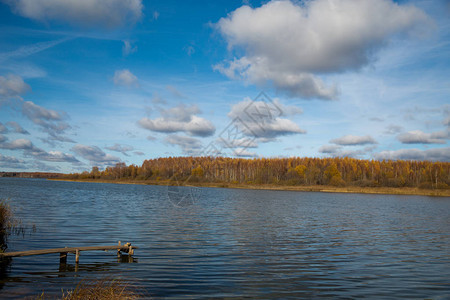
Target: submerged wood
x=123, y=248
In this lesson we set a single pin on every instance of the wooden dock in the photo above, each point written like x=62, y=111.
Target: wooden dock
x=126, y=248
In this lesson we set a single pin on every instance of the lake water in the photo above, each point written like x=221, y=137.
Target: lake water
x=231, y=243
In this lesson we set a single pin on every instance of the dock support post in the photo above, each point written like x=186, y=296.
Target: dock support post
x=118, y=251
x=63, y=258
x=77, y=256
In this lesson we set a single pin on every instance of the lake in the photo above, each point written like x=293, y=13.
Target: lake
x=230, y=243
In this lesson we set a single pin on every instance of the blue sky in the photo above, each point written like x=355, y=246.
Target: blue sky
x=92, y=82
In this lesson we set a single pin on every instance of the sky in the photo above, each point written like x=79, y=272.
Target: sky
x=98, y=82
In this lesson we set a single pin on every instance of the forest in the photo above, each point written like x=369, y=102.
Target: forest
x=295, y=171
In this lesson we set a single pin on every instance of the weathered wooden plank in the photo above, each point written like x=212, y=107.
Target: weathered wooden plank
x=122, y=248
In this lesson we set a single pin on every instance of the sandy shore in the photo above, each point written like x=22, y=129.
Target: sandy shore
x=314, y=188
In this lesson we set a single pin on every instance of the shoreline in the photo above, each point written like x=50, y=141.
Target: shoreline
x=314, y=188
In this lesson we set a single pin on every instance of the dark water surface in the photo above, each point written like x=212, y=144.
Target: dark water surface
x=232, y=243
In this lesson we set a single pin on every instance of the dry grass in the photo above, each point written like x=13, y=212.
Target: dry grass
x=101, y=289
x=7, y=224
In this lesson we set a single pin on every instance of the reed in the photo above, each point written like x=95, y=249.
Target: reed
x=100, y=289
x=7, y=224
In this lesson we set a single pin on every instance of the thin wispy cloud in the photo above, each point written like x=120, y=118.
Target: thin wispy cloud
x=32, y=49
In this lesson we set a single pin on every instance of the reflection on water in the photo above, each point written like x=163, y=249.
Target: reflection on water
x=233, y=243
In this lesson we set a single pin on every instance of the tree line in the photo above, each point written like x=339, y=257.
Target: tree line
x=281, y=171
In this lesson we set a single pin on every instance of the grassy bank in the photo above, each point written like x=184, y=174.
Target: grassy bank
x=300, y=188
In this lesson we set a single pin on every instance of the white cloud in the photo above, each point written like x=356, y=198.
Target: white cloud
x=3, y=128
x=17, y=128
x=353, y=140
x=121, y=148
x=37, y=113
x=420, y=137
x=175, y=92
x=128, y=48
x=49, y=120
x=189, y=50
x=330, y=149
x=339, y=151
x=11, y=162
x=243, y=152
x=84, y=13
x=180, y=118
x=95, y=155
x=125, y=78
x=238, y=143
x=287, y=44
x=437, y=154
x=155, y=15
x=52, y=156
x=28, y=50
x=12, y=86
x=393, y=129
x=262, y=119
x=189, y=145
x=19, y=144
x=31, y=150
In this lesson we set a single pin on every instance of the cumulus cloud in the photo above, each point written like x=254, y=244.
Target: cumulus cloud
x=189, y=145
x=244, y=152
x=11, y=86
x=19, y=144
x=420, y=137
x=288, y=44
x=3, y=128
x=95, y=155
x=16, y=127
x=84, y=13
x=329, y=149
x=37, y=113
x=393, y=129
x=29, y=149
x=50, y=121
x=263, y=119
x=51, y=156
x=339, y=151
x=40, y=166
x=11, y=162
x=353, y=140
x=437, y=154
x=120, y=148
x=125, y=78
x=180, y=118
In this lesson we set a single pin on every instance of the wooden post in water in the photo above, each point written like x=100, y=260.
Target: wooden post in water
x=118, y=251
x=77, y=256
x=63, y=258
